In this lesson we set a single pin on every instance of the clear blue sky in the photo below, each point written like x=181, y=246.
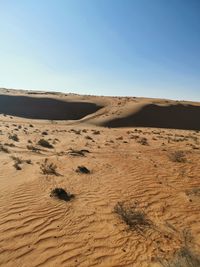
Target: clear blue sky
x=105, y=47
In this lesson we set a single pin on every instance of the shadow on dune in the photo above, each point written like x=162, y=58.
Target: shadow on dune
x=186, y=117
x=45, y=108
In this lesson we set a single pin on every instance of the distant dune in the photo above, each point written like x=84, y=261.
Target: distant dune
x=176, y=116
x=112, y=112
x=45, y=108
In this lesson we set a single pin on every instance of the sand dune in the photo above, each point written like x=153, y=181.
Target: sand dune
x=176, y=116
x=45, y=108
x=110, y=112
x=154, y=172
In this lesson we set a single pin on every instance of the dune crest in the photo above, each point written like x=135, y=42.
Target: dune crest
x=176, y=116
x=45, y=108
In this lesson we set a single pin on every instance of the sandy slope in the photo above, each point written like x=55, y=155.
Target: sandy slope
x=38, y=230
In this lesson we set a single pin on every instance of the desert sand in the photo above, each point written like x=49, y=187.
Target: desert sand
x=138, y=202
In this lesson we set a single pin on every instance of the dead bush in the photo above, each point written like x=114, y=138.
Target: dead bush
x=14, y=137
x=177, y=156
x=45, y=143
x=82, y=169
x=96, y=132
x=48, y=168
x=4, y=149
x=184, y=257
x=74, y=152
x=143, y=141
x=17, y=162
x=33, y=149
x=61, y=194
x=9, y=144
x=135, y=219
x=17, y=166
x=88, y=137
x=193, y=192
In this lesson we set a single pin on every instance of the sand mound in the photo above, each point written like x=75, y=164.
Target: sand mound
x=45, y=108
x=176, y=116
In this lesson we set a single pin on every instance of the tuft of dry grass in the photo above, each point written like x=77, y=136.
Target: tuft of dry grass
x=193, y=192
x=143, y=141
x=17, y=162
x=48, y=168
x=135, y=219
x=177, y=156
x=184, y=257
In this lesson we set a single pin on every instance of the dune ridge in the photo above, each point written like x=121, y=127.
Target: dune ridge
x=176, y=116
x=113, y=112
x=45, y=108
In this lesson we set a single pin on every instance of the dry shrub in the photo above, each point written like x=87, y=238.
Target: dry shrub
x=135, y=219
x=61, y=194
x=14, y=137
x=193, y=192
x=9, y=144
x=143, y=141
x=32, y=148
x=88, y=137
x=45, y=143
x=96, y=132
x=184, y=257
x=82, y=169
x=17, y=162
x=17, y=159
x=17, y=166
x=76, y=131
x=3, y=148
x=75, y=152
x=48, y=168
x=177, y=156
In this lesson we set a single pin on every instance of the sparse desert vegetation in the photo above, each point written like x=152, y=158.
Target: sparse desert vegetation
x=143, y=141
x=4, y=149
x=178, y=156
x=14, y=137
x=134, y=218
x=48, y=168
x=76, y=152
x=135, y=189
x=18, y=162
x=44, y=143
x=82, y=169
x=61, y=194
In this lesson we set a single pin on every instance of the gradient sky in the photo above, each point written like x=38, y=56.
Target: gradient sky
x=105, y=47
